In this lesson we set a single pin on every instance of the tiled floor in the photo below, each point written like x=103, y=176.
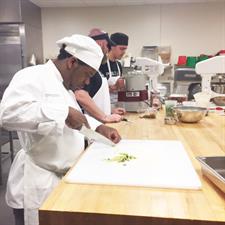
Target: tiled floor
x=6, y=215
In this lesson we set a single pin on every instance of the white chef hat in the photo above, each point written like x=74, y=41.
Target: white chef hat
x=83, y=48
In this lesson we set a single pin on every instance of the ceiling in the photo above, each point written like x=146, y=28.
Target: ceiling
x=97, y=3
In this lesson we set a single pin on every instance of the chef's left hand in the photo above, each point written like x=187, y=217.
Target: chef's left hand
x=109, y=132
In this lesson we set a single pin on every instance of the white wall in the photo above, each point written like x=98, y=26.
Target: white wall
x=190, y=29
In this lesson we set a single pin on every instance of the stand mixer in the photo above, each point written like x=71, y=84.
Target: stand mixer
x=136, y=95
x=207, y=69
x=151, y=68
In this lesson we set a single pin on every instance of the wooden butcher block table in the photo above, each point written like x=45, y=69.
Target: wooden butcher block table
x=98, y=204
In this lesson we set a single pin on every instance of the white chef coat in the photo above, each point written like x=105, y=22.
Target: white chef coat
x=36, y=105
x=102, y=97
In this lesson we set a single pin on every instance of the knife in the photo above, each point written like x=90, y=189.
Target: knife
x=126, y=120
x=93, y=135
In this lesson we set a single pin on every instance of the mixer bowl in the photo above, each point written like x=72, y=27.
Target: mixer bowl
x=220, y=100
x=190, y=114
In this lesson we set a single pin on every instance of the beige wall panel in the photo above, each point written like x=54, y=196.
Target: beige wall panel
x=190, y=29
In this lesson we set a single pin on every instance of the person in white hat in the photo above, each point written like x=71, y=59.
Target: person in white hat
x=39, y=104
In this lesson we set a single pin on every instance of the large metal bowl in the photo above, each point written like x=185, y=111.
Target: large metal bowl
x=220, y=100
x=190, y=114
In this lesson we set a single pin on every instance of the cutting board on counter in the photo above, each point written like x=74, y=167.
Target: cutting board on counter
x=161, y=164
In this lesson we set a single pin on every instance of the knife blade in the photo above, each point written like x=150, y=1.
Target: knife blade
x=93, y=135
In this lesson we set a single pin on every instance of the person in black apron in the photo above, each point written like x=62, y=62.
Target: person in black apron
x=112, y=69
x=95, y=98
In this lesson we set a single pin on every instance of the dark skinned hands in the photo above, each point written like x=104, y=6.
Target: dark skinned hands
x=76, y=119
x=109, y=132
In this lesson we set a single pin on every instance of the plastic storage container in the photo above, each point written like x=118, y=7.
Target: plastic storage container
x=202, y=57
x=165, y=53
x=191, y=61
x=182, y=60
x=150, y=52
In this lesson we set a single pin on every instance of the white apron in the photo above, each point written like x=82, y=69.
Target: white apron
x=111, y=81
x=102, y=97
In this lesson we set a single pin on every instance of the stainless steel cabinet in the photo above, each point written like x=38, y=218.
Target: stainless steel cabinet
x=11, y=52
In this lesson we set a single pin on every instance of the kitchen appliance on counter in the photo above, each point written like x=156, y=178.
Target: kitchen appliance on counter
x=184, y=79
x=139, y=83
x=135, y=97
x=208, y=69
x=189, y=81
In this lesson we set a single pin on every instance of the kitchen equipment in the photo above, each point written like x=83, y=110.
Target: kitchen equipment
x=208, y=69
x=178, y=97
x=202, y=99
x=20, y=37
x=183, y=77
x=214, y=168
x=135, y=95
x=93, y=135
x=11, y=52
x=220, y=100
x=150, y=52
x=190, y=114
x=139, y=83
x=126, y=120
x=135, y=80
x=151, y=68
x=219, y=87
x=161, y=164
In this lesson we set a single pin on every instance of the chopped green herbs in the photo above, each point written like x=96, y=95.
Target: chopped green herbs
x=121, y=158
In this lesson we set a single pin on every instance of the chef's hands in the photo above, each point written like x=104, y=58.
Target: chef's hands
x=118, y=86
x=109, y=132
x=76, y=119
x=120, y=111
x=112, y=118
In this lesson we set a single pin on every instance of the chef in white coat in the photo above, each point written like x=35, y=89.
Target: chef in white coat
x=95, y=98
x=39, y=103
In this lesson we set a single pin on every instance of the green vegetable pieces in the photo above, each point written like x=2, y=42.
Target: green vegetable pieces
x=121, y=158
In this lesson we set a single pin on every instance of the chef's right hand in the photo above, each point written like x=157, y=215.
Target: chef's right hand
x=109, y=132
x=120, y=111
x=76, y=119
x=112, y=118
x=120, y=84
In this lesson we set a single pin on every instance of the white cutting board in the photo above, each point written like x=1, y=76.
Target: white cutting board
x=162, y=164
